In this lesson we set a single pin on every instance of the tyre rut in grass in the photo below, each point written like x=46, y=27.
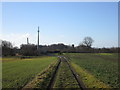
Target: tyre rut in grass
x=57, y=75
x=42, y=80
x=65, y=78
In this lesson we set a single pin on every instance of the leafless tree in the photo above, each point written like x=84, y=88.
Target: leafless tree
x=88, y=41
x=7, y=48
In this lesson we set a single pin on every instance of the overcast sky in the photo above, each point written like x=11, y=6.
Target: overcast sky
x=66, y=23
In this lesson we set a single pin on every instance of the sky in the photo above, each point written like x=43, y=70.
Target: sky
x=60, y=22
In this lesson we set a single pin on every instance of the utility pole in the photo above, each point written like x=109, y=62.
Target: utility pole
x=38, y=39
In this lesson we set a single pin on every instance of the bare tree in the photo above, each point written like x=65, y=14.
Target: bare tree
x=28, y=49
x=6, y=44
x=88, y=41
x=7, y=48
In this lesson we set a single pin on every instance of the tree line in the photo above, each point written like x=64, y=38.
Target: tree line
x=31, y=49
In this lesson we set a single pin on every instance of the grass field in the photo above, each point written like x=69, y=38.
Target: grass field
x=96, y=70
x=18, y=72
x=43, y=79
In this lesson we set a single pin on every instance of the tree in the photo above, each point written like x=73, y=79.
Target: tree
x=73, y=46
x=7, y=44
x=87, y=42
x=7, y=48
x=28, y=49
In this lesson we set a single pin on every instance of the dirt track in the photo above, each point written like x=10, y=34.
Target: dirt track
x=59, y=75
x=65, y=76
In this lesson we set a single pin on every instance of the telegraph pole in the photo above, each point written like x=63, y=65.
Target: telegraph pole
x=38, y=39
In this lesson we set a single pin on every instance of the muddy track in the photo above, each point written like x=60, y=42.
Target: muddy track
x=52, y=81
x=74, y=74
x=58, y=75
x=77, y=77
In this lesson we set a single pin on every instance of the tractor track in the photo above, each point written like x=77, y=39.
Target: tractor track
x=52, y=81
x=76, y=76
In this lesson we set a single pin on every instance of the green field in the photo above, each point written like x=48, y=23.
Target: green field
x=96, y=70
x=18, y=72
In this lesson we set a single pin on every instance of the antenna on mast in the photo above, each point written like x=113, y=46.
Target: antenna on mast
x=38, y=39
